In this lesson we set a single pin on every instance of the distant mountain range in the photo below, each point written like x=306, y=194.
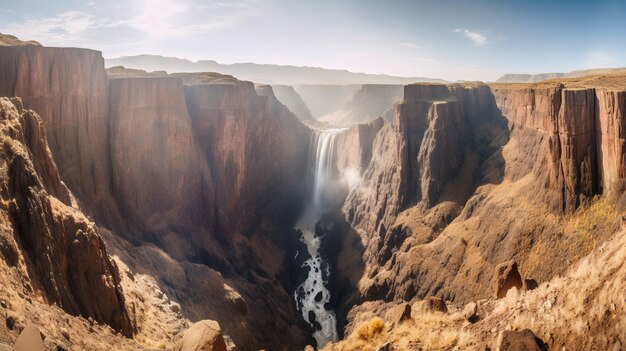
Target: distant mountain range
x=262, y=73
x=532, y=78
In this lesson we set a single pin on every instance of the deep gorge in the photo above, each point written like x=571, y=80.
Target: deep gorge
x=207, y=183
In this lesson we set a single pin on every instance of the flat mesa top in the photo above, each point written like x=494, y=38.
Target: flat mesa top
x=616, y=81
x=188, y=78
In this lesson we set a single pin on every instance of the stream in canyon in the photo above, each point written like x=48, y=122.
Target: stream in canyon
x=312, y=296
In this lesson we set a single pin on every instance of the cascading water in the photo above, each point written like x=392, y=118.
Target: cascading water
x=312, y=297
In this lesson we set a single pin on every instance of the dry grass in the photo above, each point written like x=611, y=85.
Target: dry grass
x=581, y=310
x=370, y=329
x=602, y=80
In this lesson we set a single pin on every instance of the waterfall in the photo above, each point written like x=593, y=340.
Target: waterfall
x=312, y=296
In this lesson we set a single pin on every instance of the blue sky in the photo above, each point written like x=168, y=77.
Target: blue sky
x=450, y=39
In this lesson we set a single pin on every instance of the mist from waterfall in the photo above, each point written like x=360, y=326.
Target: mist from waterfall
x=313, y=296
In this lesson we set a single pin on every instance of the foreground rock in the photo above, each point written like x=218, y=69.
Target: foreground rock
x=29, y=340
x=523, y=340
x=205, y=335
x=47, y=238
x=507, y=276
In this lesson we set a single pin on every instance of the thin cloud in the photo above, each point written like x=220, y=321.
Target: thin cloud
x=410, y=45
x=477, y=38
x=63, y=27
x=151, y=19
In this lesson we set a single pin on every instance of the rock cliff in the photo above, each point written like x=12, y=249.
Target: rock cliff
x=469, y=176
x=69, y=89
x=369, y=102
x=288, y=96
x=57, y=250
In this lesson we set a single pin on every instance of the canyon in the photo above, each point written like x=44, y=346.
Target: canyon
x=349, y=217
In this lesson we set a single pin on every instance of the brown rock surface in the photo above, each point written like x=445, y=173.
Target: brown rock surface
x=59, y=250
x=160, y=179
x=68, y=89
x=523, y=340
x=506, y=277
x=29, y=340
x=204, y=335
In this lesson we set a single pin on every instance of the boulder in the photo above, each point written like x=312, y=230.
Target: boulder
x=470, y=312
x=430, y=304
x=507, y=276
x=399, y=313
x=436, y=304
x=524, y=340
x=205, y=335
x=29, y=340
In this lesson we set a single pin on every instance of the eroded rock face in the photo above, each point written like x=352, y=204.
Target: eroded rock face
x=611, y=123
x=59, y=250
x=353, y=147
x=160, y=179
x=417, y=156
x=470, y=176
x=563, y=119
x=68, y=89
x=255, y=147
x=524, y=340
x=506, y=277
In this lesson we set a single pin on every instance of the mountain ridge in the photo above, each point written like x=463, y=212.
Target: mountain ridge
x=262, y=73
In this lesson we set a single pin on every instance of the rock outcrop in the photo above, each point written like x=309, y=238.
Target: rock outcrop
x=204, y=335
x=507, y=277
x=58, y=250
x=353, y=147
x=523, y=340
x=29, y=340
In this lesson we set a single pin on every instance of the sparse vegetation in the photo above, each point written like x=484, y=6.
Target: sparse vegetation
x=371, y=328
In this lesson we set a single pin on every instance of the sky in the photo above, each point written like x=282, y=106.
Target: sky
x=449, y=39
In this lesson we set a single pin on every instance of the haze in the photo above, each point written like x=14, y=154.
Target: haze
x=452, y=40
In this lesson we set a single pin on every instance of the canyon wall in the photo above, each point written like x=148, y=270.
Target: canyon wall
x=369, y=102
x=57, y=251
x=469, y=176
x=323, y=99
x=288, y=96
x=69, y=89
x=198, y=164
